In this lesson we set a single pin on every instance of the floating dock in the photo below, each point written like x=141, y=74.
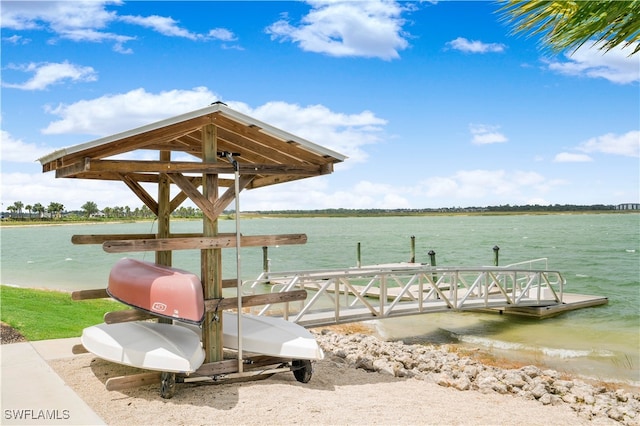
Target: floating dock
x=390, y=290
x=570, y=302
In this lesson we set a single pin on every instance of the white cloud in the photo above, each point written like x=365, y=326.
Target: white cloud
x=162, y=24
x=86, y=21
x=568, y=157
x=59, y=16
x=483, y=134
x=473, y=185
x=222, y=34
x=371, y=29
x=16, y=39
x=627, y=144
x=51, y=73
x=15, y=150
x=588, y=61
x=111, y=114
x=475, y=46
x=344, y=133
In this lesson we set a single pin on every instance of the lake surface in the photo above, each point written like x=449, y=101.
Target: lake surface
x=598, y=254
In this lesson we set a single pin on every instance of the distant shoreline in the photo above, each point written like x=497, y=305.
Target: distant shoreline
x=319, y=214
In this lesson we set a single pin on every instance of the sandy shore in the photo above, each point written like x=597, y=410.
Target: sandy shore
x=338, y=394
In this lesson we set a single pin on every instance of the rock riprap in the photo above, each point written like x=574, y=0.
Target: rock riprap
x=439, y=365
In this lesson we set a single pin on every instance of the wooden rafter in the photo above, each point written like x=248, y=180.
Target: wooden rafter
x=137, y=189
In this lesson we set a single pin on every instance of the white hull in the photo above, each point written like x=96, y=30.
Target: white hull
x=147, y=345
x=177, y=348
x=268, y=336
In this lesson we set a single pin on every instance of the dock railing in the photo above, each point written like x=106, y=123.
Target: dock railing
x=383, y=291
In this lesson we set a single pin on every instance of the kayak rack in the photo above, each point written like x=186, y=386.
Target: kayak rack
x=226, y=152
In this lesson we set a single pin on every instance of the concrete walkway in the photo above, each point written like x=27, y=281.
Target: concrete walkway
x=32, y=393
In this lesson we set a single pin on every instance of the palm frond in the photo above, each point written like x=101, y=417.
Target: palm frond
x=567, y=25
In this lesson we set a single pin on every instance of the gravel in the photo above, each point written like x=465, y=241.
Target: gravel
x=9, y=334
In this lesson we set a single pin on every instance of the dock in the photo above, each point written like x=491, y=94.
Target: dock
x=400, y=289
x=570, y=302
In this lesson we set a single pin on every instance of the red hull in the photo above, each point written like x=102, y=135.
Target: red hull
x=161, y=290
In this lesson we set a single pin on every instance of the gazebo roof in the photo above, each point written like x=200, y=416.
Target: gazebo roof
x=269, y=154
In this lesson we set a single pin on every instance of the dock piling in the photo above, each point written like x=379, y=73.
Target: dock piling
x=413, y=249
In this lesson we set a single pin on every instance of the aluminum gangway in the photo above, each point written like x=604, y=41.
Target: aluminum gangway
x=385, y=291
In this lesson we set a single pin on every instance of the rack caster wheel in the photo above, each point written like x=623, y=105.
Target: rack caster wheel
x=302, y=370
x=167, y=385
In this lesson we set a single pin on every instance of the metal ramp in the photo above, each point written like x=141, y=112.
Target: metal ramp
x=385, y=291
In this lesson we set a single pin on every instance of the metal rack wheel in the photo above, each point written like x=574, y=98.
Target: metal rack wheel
x=167, y=385
x=302, y=370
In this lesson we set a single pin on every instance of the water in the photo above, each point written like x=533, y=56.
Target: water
x=597, y=254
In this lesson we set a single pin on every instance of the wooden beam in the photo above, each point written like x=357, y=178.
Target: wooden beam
x=99, y=293
x=194, y=195
x=220, y=367
x=182, y=196
x=202, y=243
x=101, y=238
x=213, y=305
x=132, y=380
x=127, y=315
x=73, y=169
x=131, y=166
x=255, y=300
x=142, y=194
x=230, y=194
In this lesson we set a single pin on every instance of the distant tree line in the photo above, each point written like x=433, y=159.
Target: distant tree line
x=90, y=211
x=402, y=212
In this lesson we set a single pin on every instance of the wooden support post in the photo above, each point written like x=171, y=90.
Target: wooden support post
x=164, y=213
x=211, y=259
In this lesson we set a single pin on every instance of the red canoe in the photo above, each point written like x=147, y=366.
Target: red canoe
x=160, y=290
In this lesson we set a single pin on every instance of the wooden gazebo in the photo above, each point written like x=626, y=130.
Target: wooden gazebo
x=221, y=141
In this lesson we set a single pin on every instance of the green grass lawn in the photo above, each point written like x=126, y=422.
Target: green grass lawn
x=47, y=314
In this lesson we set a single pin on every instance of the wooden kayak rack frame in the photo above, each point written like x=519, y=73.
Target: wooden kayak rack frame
x=221, y=142
x=256, y=367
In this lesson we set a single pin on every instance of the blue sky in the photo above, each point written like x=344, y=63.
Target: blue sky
x=436, y=104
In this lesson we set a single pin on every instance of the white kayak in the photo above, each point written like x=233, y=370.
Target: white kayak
x=147, y=345
x=267, y=336
x=270, y=336
x=177, y=348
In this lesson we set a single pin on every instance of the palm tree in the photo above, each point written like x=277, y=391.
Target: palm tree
x=55, y=209
x=570, y=24
x=29, y=208
x=90, y=208
x=39, y=208
x=11, y=210
x=19, y=205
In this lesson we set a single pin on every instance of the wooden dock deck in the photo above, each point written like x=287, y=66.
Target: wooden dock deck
x=570, y=302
